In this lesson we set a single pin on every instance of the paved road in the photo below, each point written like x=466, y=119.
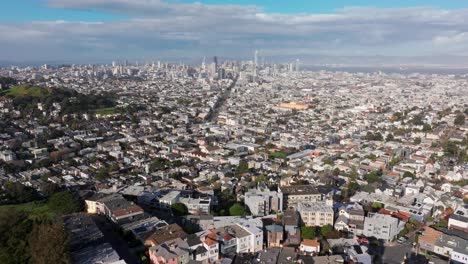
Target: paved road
x=395, y=253
x=111, y=236
x=222, y=101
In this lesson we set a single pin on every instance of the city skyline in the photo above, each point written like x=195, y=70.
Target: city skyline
x=93, y=31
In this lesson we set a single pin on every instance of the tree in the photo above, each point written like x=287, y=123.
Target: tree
x=63, y=203
x=417, y=141
x=451, y=149
x=242, y=168
x=102, y=174
x=50, y=188
x=308, y=232
x=377, y=206
x=179, y=209
x=426, y=128
x=408, y=174
x=237, y=210
x=374, y=176
x=442, y=223
x=372, y=157
x=48, y=243
x=260, y=179
x=390, y=137
x=336, y=171
x=459, y=119
x=14, y=192
x=393, y=162
x=326, y=230
x=14, y=229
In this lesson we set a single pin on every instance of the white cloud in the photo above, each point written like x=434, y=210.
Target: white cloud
x=160, y=28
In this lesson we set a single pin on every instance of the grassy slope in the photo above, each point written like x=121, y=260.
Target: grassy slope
x=106, y=111
x=19, y=91
x=32, y=208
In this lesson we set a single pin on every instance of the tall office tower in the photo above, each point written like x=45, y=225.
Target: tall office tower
x=215, y=61
x=159, y=64
x=297, y=65
x=213, y=69
x=203, y=65
x=114, y=64
x=126, y=63
x=256, y=58
x=255, y=65
x=221, y=73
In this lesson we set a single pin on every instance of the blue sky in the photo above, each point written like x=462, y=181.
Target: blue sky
x=71, y=30
x=326, y=6
x=37, y=10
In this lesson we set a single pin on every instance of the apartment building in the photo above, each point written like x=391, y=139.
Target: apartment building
x=316, y=213
x=382, y=226
x=294, y=194
x=263, y=202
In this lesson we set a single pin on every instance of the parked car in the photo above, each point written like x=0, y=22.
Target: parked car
x=402, y=239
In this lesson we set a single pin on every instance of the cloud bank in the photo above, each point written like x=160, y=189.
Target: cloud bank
x=157, y=28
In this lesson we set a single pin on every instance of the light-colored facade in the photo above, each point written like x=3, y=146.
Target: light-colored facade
x=382, y=226
x=292, y=195
x=197, y=206
x=316, y=213
x=262, y=202
x=311, y=246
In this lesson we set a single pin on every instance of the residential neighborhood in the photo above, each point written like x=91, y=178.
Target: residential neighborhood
x=235, y=162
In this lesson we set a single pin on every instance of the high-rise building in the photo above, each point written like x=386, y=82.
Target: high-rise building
x=215, y=61
x=255, y=66
x=221, y=73
x=297, y=65
x=256, y=58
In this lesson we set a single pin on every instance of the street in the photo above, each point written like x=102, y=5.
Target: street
x=111, y=236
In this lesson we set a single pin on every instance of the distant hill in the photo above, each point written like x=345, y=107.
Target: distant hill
x=25, y=90
x=27, y=97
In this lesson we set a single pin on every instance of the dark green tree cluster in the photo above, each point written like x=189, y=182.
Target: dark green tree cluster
x=64, y=203
x=417, y=120
x=242, y=168
x=13, y=193
x=24, y=240
x=374, y=136
x=70, y=100
x=237, y=210
x=459, y=119
x=308, y=232
x=374, y=176
x=6, y=82
x=408, y=174
x=179, y=209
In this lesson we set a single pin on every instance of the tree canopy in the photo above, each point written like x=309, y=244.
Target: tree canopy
x=237, y=210
x=179, y=209
x=326, y=230
x=48, y=243
x=14, y=192
x=63, y=203
x=308, y=232
x=460, y=119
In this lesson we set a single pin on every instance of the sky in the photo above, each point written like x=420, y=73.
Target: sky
x=104, y=30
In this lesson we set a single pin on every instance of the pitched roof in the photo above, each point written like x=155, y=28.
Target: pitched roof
x=310, y=243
